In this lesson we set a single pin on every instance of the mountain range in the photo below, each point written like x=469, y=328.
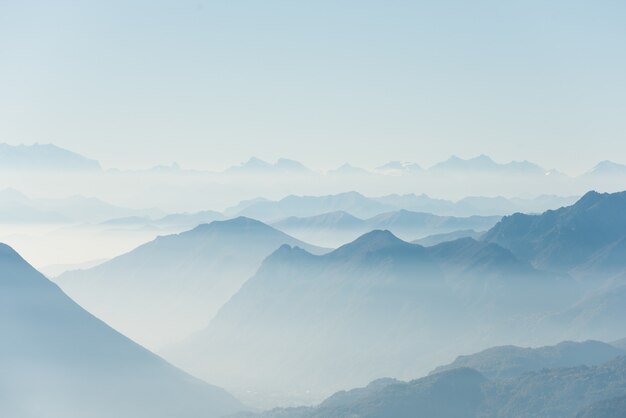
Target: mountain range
x=38, y=157
x=57, y=360
x=189, y=276
x=366, y=207
x=336, y=228
x=309, y=322
x=586, y=236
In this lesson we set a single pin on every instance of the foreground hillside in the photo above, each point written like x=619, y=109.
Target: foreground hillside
x=57, y=360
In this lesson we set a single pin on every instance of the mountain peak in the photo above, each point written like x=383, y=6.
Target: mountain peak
x=235, y=223
x=373, y=241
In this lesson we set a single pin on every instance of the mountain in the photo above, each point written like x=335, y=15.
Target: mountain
x=172, y=286
x=435, y=239
x=189, y=219
x=257, y=166
x=510, y=361
x=396, y=168
x=583, y=392
x=328, y=229
x=313, y=323
x=366, y=207
x=308, y=324
x=411, y=225
x=419, y=203
x=485, y=165
x=348, y=169
x=336, y=228
x=303, y=206
x=57, y=360
x=43, y=157
x=608, y=168
x=584, y=235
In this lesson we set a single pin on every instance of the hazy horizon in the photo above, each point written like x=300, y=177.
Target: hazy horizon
x=137, y=84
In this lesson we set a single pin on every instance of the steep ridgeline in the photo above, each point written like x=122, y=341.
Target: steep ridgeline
x=337, y=228
x=587, y=238
x=583, y=391
x=170, y=287
x=510, y=361
x=368, y=309
x=57, y=360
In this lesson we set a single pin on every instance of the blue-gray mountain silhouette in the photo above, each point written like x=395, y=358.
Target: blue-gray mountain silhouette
x=510, y=361
x=57, y=360
x=168, y=288
x=359, y=312
x=588, y=234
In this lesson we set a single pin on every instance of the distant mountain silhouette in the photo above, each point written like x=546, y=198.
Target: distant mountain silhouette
x=302, y=206
x=366, y=207
x=349, y=170
x=337, y=228
x=398, y=168
x=510, y=361
x=569, y=237
x=43, y=157
x=435, y=239
x=164, y=290
x=484, y=164
x=608, y=168
x=57, y=360
x=410, y=225
x=257, y=166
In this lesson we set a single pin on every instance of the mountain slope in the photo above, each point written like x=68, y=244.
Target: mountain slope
x=170, y=287
x=309, y=324
x=337, y=228
x=314, y=323
x=58, y=360
x=593, y=392
x=566, y=238
x=510, y=361
x=302, y=206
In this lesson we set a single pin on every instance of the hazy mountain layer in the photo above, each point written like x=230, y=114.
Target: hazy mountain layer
x=366, y=207
x=465, y=393
x=170, y=287
x=337, y=228
x=57, y=360
x=368, y=309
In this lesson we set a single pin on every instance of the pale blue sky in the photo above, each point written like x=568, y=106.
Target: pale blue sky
x=208, y=84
